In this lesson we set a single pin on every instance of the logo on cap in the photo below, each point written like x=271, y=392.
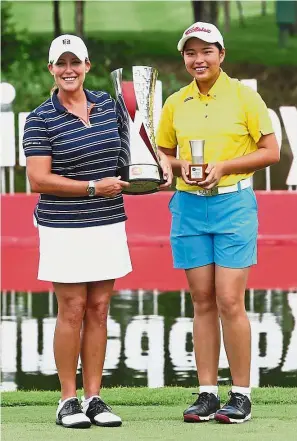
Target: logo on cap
x=197, y=29
x=66, y=41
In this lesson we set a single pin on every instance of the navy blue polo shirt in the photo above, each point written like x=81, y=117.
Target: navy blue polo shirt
x=79, y=152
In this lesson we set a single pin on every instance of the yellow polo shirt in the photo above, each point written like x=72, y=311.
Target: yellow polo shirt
x=231, y=119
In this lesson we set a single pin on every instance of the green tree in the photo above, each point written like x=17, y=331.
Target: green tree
x=13, y=43
x=57, y=18
x=79, y=17
x=240, y=12
x=226, y=6
x=205, y=11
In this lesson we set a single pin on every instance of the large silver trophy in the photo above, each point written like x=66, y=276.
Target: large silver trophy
x=138, y=162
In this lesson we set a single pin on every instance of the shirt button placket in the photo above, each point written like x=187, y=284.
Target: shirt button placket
x=206, y=105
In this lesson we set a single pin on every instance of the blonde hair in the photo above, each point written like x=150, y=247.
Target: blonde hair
x=53, y=89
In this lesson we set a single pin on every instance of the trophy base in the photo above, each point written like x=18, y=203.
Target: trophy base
x=143, y=178
x=197, y=172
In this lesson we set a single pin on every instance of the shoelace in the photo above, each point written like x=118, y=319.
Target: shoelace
x=236, y=399
x=202, y=398
x=99, y=406
x=73, y=406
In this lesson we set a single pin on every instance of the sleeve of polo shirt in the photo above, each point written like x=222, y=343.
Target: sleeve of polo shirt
x=166, y=136
x=35, y=140
x=258, y=120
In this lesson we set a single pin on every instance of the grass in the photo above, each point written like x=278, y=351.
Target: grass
x=135, y=16
x=143, y=396
x=150, y=414
x=164, y=423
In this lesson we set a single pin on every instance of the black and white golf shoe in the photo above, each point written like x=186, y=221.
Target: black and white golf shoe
x=69, y=414
x=100, y=413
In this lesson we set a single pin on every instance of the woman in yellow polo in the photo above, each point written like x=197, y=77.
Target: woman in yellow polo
x=214, y=225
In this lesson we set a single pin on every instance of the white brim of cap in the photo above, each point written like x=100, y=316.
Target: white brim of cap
x=79, y=55
x=198, y=35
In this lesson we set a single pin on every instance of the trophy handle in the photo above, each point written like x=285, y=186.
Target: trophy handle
x=144, y=79
x=116, y=76
x=144, y=136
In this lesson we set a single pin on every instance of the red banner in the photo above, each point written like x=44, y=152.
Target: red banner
x=148, y=229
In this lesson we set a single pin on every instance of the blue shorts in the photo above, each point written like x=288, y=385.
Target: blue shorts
x=219, y=229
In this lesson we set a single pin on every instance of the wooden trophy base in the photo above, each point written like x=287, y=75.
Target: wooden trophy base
x=197, y=172
x=143, y=178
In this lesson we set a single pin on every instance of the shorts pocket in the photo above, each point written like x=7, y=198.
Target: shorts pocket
x=171, y=200
x=250, y=196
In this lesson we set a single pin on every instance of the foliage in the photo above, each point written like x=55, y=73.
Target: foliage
x=14, y=44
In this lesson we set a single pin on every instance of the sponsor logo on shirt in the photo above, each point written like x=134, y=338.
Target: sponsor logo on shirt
x=189, y=98
x=31, y=143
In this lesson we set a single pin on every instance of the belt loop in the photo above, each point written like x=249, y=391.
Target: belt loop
x=239, y=186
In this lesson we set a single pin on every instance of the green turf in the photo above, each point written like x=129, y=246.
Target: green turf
x=150, y=414
x=164, y=423
x=137, y=396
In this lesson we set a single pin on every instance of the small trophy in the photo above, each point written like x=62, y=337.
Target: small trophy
x=138, y=162
x=198, y=167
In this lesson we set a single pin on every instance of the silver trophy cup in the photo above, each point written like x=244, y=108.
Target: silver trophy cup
x=198, y=167
x=138, y=161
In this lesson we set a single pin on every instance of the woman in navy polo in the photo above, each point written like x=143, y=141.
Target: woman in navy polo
x=73, y=147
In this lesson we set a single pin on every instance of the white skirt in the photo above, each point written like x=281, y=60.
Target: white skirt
x=75, y=255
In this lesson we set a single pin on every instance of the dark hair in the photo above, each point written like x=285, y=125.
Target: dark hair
x=218, y=46
x=215, y=44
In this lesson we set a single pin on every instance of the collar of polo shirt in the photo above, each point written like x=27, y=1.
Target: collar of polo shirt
x=216, y=88
x=91, y=97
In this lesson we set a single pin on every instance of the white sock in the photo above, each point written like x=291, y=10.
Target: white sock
x=88, y=400
x=209, y=389
x=65, y=400
x=242, y=390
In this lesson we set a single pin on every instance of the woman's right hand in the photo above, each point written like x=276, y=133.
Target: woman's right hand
x=110, y=187
x=185, y=172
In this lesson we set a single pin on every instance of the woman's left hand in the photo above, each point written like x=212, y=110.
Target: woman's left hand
x=167, y=170
x=215, y=173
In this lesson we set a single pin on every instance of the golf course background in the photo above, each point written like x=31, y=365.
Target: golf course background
x=126, y=33
x=150, y=414
x=122, y=34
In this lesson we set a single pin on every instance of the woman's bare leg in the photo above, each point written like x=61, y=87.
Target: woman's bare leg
x=206, y=331
x=230, y=291
x=71, y=299
x=94, y=335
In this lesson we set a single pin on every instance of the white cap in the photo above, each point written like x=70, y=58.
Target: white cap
x=67, y=43
x=204, y=31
